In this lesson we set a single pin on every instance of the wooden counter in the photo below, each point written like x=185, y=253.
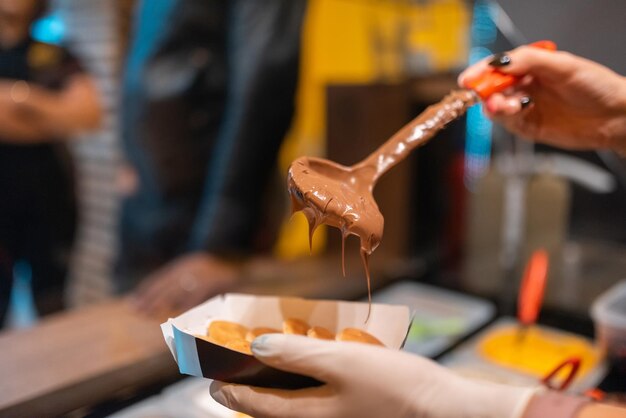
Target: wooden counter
x=79, y=358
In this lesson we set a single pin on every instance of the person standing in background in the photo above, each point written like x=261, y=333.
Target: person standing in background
x=208, y=96
x=45, y=99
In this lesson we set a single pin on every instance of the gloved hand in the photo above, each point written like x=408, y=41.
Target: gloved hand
x=366, y=381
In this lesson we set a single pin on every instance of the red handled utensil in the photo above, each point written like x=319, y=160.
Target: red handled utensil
x=494, y=81
x=342, y=196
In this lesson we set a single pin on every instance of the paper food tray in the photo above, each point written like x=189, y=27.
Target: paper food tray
x=198, y=357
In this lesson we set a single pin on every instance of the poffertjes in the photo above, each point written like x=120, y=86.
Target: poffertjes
x=221, y=332
x=237, y=337
x=242, y=346
x=256, y=332
x=295, y=326
x=357, y=335
x=320, y=333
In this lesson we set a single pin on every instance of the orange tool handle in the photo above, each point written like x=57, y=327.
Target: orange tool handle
x=533, y=287
x=494, y=81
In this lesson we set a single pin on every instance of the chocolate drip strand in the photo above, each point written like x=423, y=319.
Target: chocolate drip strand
x=340, y=196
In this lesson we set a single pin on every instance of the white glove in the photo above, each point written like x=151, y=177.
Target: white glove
x=366, y=381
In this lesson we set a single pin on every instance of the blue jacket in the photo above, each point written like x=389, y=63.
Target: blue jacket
x=209, y=90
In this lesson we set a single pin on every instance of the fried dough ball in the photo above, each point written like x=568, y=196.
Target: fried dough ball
x=295, y=326
x=357, y=335
x=320, y=333
x=253, y=333
x=221, y=332
x=237, y=337
x=240, y=345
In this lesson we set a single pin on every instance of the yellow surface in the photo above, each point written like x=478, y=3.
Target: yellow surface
x=338, y=47
x=539, y=352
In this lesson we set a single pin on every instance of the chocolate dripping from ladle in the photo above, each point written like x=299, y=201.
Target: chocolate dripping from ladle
x=340, y=196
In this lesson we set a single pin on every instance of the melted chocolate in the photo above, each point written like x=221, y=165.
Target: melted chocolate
x=340, y=196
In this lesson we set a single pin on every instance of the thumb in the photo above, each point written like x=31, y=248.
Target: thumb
x=323, y=360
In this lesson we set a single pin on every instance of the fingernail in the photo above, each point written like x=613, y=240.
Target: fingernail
x=265, y=345
x=218, y=394
x=525, y=102
x=500, y=60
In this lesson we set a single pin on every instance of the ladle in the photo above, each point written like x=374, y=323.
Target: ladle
x=341, y=196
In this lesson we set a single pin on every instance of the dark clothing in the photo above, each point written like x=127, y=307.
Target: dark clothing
x=37, y=206
x=208, y=98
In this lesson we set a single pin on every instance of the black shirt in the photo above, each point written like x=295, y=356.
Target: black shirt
x=36, y=178
x=38, y=63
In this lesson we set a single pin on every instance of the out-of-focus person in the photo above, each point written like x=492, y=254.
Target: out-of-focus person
x=45, y=99
x=209, y=93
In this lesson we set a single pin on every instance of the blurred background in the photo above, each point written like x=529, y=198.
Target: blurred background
x=191, y=111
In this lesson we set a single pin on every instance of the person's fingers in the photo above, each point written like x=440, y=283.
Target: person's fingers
x=524, y=60
x=158, y=295
x=550, y=65
x=262, y=403
x=144, y=298
x=157, y=304
x=327, y=361
x=474, y=71
x=148, y=286
x=143, y=286
x=175, y=290
x=525, y=123
x=494, y=103
x=140, y=301
x=499, y=105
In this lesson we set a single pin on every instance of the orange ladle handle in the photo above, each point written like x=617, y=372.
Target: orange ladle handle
x=495, y=81
x=533, y=287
